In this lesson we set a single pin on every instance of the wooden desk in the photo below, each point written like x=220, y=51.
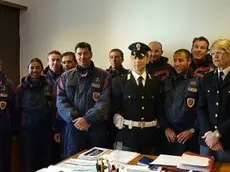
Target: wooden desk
x=218, y=167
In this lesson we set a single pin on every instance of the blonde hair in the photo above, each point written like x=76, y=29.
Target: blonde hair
x=222, y=44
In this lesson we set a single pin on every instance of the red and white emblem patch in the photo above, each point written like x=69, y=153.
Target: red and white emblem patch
x=96, y=96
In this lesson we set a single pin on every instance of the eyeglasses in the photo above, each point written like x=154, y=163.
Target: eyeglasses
x=217, y=53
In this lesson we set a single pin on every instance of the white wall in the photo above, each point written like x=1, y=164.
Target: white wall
x=107, y=24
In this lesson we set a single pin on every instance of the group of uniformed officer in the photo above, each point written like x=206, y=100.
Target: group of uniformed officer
x=163, y=109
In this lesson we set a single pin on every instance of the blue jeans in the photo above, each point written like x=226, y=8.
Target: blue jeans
x=221, y=156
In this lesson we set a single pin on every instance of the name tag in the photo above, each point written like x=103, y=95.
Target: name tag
x=95, y=85
x=3, y=95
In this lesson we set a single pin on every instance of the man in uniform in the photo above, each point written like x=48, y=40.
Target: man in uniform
x=52, y=72
x=116, y=57
x=180, y=100
x=6, y=110
x=158, y=65
x=213, y=106
x=83, y=98
x=136, y=104
x=201, y=60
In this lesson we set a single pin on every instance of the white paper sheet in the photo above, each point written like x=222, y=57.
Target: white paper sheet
x=121, y=156
x=194, y=160
x=167, y=160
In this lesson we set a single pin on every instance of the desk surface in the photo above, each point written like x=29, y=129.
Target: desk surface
x=218, y=167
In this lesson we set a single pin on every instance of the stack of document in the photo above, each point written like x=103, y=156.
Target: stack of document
x=94, y=153
x=72, y=165
x=196, y=162
x=188, y=161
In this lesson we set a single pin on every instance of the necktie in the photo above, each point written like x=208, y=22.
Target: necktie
x=140, y=84
x=221, y=74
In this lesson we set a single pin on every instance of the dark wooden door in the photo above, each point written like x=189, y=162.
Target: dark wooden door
x=10, y=42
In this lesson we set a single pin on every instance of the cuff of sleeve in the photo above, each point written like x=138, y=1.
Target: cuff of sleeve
x=220, y=131
x=74, y=114
x=87, y=119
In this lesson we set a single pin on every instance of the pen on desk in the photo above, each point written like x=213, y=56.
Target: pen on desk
x=97, y=166
x=102, y=166
x=109, y=165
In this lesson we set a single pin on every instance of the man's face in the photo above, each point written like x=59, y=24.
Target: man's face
x=220, y=58
x=83, y=57
x=139, y=64
x=156, y=51
x=35, y=70
x=54, y=62
x=199, y=50
x=181, y=63
x=115, y=59
x=68, y=62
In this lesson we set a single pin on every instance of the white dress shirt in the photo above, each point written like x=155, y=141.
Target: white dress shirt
x=136, y=76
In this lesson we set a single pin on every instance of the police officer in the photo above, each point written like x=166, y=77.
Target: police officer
x=201, y=60
x=54, y=69
x=136, y=104
x=35, y=104
x=52, y=72
x=158, y=65
x=180, y=100
x=116, y=57
x=83, y=98
x=213, y=106
x=6, y=112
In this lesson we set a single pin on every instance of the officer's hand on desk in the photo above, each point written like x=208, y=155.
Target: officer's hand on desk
x=81, y=124
x=211, y=138
x=217, y=147
x=184, y=136
x=170, y=134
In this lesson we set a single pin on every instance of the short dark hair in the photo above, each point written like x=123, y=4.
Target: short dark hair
x=188, y=54
x=201, y=38
x=83, y=45
x=54, y=52
x=69, y=53
x=35, y=60
x=119, y=51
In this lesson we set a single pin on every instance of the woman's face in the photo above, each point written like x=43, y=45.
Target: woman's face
x=35, y=70
x=220, y=58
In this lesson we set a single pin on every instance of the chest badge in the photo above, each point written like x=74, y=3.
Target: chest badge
x=96, y=96
x=3, y=105
x=190, y=102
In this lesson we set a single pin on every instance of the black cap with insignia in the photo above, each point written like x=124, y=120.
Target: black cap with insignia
x=139, y=49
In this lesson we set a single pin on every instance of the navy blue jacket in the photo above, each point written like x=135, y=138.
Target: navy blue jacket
x=35, y=103
x=203, y=67
x=120, y=72
x=160, y=68
x=51, y=76
x=180, y=101
x=213, y=107
x=6, y=104
x=84, y=93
